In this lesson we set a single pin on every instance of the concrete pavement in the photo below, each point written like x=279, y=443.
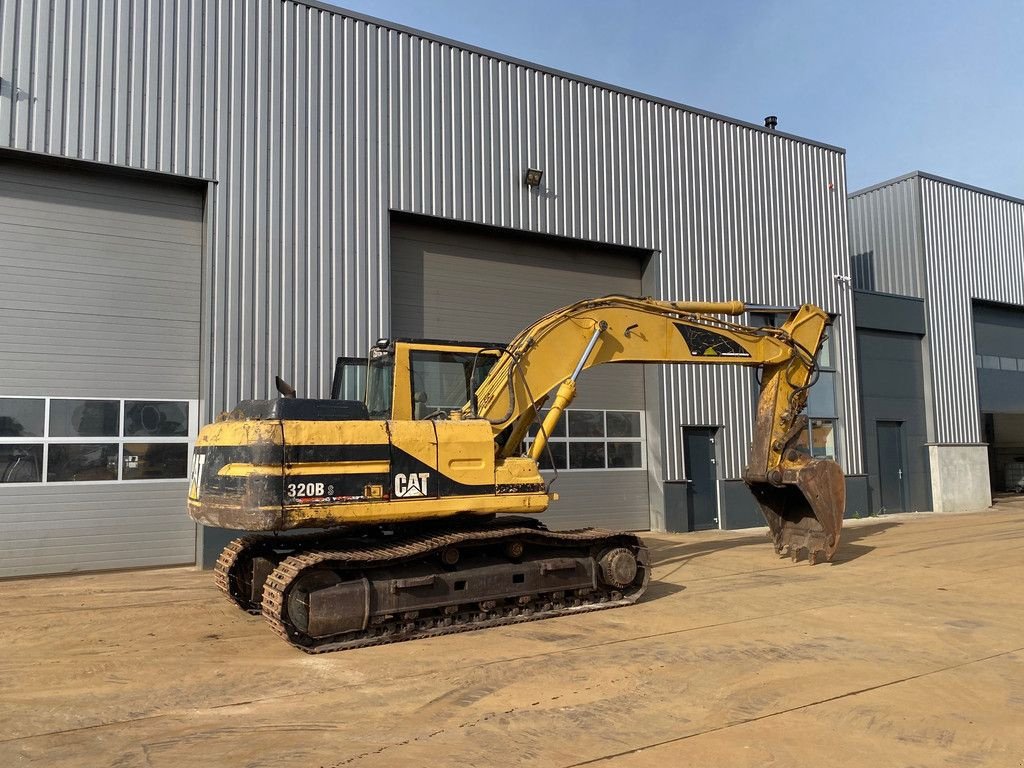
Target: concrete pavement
x=908, y=650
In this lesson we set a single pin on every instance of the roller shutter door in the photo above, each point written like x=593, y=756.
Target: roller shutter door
x=99, y=368
x=999, y=357
x=450, y=282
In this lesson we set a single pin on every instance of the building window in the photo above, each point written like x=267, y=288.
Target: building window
x=820, y=438
x=822, y=414
x=997, y=363
x=46, y=440
x=593, y=439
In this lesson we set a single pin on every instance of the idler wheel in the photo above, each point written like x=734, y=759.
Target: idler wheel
x=618, y=567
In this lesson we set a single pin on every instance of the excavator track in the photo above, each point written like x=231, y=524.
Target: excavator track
x=245, y=562
x=363, y=592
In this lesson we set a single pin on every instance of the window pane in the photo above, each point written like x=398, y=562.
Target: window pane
x=623, y=424
x=800, y=441
x=156, y=418
x=764, y=320
x=21, y=416
x=586, y=455
x=21, y=463
x=990, y=361
x=558, y=431
x=97, y=461
x=85, y=418
x=440, y=381
x=558, y=451
x=154, y=461
x=349, y=381
x=379, y=377
x=586, y=423
x=821, y=400
x=1008, y=363
x=823, y=438
x=622, y=455
x=825, y=353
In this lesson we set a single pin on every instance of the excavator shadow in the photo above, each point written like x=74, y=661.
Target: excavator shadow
x=850, y=547
x=680, y=554
x=659, y=589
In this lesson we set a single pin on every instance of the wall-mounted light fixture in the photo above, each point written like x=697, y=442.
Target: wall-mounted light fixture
x=533, y=177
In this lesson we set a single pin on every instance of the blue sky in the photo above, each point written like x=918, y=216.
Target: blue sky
x=933, y=86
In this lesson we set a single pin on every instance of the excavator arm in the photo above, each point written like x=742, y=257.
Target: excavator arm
x=802, y=498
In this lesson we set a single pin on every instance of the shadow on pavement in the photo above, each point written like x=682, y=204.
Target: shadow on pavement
x=849, y=548
x=659, y=589
x=679, y=553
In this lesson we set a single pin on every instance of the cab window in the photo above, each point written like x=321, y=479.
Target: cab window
x=444, y=381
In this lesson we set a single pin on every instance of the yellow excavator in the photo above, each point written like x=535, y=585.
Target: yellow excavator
x=423, y=495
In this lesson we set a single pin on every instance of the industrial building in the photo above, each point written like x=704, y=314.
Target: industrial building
x=195, y=197
x=939, y=272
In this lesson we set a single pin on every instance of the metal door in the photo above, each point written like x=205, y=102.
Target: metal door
x=891, y=468
x=701, y=469
x=100, y=301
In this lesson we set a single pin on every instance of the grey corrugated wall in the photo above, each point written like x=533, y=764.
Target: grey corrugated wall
x=886, y=239
x=974, y=249
x=951, y=244
x=315, y=124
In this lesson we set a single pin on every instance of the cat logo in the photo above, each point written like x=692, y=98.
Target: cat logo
x=198, y=462
x=413, y=484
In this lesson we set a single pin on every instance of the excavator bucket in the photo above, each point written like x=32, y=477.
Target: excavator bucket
x=805, y=510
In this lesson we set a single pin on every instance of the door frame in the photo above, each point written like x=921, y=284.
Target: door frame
x=716, y=430
x=901, y=440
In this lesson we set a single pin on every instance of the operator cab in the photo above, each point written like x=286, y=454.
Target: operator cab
x=414, y=379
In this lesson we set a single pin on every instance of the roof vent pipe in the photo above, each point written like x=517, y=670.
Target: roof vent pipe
x=770, y=122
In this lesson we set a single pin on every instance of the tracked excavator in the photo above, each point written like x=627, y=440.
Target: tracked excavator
x=424, y=495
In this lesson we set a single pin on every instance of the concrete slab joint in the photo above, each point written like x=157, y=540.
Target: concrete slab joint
x=959, y=477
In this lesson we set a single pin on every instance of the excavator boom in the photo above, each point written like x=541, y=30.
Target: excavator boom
x=802, y=498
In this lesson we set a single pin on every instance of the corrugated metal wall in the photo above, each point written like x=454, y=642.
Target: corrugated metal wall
x=974, y=249
x=886, y=240
x=315, y=124
x=936, y=239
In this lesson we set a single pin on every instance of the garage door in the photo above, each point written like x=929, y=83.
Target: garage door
x=460, y=283
x=999, y=357
x=99, y=368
